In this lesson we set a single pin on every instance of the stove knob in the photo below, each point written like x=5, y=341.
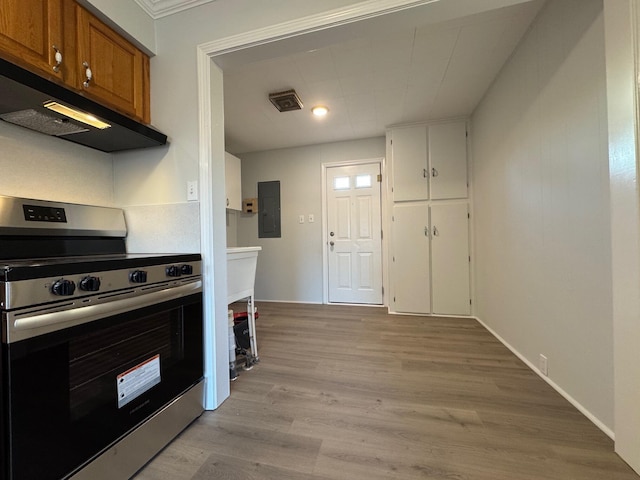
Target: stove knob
x=63, y=287
x=173, y=271
x=90, y=284
x=138, y=276
x=186, y=270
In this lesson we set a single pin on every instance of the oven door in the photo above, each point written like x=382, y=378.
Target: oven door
x=71, y=393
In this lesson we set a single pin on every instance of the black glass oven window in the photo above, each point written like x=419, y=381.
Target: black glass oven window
x=96, y=359
x=62, y=389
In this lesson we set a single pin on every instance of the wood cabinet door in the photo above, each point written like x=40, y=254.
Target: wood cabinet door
x=120, y=71
x=448, y=160
x=410, y=272
x=450, y=259
x=29, y=31
x=409, y=155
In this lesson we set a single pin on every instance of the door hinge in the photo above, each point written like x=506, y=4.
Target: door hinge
x=469, y=257
x=468, y=215
x=393, y=258
x=470, y=302
x=382, y=290
x=394, y=299
x=379, y=178
x=381, y=235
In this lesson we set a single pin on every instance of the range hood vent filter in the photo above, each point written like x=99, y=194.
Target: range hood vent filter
x=23, y=96
x=43, y=123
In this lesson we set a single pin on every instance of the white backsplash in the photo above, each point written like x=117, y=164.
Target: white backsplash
x=166, y=228
x=35, y=165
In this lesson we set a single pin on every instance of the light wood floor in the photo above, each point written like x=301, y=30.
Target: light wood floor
x=354, y=393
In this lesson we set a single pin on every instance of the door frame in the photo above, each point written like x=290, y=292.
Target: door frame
x=383, y=223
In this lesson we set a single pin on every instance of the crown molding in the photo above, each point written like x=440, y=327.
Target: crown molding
x=312, y=23
x=161, y=8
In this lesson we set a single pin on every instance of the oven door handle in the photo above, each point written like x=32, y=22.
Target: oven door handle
x=21, y=328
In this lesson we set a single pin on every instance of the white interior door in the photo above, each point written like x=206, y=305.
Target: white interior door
x=354, y=244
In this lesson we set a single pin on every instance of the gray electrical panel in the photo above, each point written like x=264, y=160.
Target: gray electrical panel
x=269, y=209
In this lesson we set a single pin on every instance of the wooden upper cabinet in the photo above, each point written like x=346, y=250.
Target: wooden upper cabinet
x=33, y=31
x=30, y=33
x=119, y=70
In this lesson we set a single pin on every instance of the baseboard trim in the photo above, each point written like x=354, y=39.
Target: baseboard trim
x=554, y=385
x=287, y=301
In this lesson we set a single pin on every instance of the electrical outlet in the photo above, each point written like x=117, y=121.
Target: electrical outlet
x=301, y=219
x=192, y=191
x=543, y=365
x=311, y=218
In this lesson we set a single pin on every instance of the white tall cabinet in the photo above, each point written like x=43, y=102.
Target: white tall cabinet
x=429, y=253
x=232, y=181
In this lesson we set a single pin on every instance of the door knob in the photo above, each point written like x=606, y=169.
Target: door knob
x=331, y=233
x=332, y=243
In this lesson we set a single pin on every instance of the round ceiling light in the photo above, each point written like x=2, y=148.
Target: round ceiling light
x=319, y=111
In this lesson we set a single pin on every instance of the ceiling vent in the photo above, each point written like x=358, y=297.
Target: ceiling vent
x=286, y=101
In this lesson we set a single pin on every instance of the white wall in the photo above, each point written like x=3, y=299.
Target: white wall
x=542, y=222
x=35, y=165
x=290, y=268
x=158, y=177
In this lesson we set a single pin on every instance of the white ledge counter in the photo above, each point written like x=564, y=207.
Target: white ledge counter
x=241, y=279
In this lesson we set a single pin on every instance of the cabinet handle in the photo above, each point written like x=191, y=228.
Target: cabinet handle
x=435, y=231
x=58, y=58
x=88, y=73
x=425, y=173
x=434, y=172
x=227, y=202
x=426, y=232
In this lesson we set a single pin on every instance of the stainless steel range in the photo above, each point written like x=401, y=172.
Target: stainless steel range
x=102, y=351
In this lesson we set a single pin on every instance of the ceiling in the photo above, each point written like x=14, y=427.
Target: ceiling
x=395, y=69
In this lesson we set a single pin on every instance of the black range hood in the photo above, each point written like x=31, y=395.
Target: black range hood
x=23, y=94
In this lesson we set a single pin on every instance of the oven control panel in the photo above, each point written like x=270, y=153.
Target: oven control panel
x=38, y=213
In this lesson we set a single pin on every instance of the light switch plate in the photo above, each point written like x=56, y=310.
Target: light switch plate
x=192, y=191
x=311, y=218
x=301, y=219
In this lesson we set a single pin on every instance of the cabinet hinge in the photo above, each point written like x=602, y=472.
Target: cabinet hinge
x=468, y=215
x=393, y=219
x=469, y=258
x=379, y=178
x=394, y=259
x=394, y=299
x=470, y=302
x=381, y=235
x=382, y=290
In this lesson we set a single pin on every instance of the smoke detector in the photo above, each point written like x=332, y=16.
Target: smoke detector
x=286, y=101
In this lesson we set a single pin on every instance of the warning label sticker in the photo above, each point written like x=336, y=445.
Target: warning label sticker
x=137, y=380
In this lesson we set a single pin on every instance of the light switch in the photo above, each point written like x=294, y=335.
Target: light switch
x=311, y=218
x=192, y=191
x=301, y=219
